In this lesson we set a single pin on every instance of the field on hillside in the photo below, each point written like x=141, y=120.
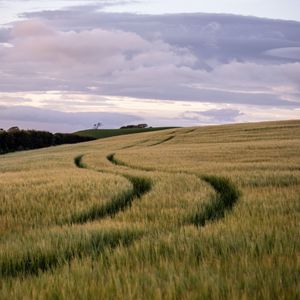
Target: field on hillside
x=105, y=133
x=190, y=213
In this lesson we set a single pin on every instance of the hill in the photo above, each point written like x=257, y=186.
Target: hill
x=105, y=133
x=190, y=213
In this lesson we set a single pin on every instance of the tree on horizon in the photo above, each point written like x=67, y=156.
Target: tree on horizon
x=98, y=125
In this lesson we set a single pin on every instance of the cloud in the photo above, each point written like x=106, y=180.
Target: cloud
x=122, y=63
x=292, y=53
x=213, y=116
x=76, y=60
x=201, y=58
x=29, y=117
x=216, y=36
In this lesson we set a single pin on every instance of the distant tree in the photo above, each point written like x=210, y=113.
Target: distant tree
x=13, y=129
x=135, y=126
x=142, y=125
x=98, y=125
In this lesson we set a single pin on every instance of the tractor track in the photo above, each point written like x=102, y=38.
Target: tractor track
x=227, y=194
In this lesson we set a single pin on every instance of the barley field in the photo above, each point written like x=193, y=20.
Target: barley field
x=190, y=213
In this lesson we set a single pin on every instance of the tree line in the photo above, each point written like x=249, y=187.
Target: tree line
x=31, y=139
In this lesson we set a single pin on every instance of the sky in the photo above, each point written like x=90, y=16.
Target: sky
x=65, y=65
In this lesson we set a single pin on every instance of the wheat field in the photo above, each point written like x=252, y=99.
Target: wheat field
x=191, y=213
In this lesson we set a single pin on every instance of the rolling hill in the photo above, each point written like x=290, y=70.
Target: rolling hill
x=189, y=213
x=105, y=133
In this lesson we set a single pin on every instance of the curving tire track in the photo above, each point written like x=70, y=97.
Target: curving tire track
x=227, y=195
x=112, y=158
x=60, y=251
x=35, y=261
x=190, y=131
x=140, y=186
x=134, y=145
x=78, y=162
x=169, y=138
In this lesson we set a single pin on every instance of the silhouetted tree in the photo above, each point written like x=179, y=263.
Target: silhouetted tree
x=98, y=125
x=17, y=140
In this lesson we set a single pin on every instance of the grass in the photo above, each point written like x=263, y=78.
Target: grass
x=45, y=199
x=122, y=225
x=58, y=248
